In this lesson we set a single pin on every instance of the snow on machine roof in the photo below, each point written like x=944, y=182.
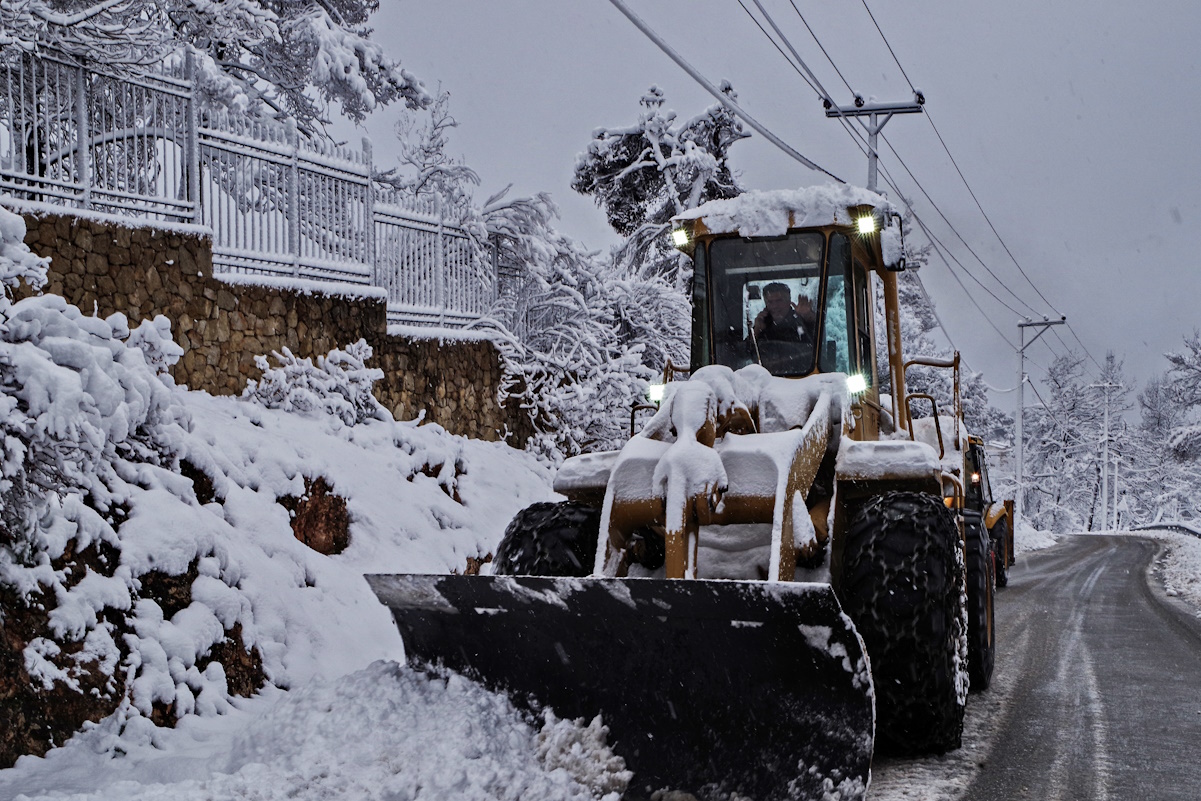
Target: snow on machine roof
x=774, y=212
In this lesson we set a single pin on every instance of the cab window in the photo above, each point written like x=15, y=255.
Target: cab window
x=839, y=317
x=700, y=308
x=766, y=295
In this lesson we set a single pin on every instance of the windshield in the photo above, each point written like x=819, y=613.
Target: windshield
x=766, y=293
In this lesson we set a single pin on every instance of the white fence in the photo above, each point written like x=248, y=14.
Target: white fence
x=278, y=204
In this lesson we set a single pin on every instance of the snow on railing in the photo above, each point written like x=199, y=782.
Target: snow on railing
x=278, y=204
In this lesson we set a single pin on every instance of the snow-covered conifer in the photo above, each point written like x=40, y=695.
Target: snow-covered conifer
x=641, y=175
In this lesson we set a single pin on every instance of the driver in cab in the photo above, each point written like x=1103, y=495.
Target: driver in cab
x=783, y=321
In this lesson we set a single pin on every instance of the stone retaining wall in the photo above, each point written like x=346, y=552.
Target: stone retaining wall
x=108, y=264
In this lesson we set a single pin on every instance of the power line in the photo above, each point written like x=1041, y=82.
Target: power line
x=816, y=85
x=939, y=248
x=972, y=192
x=776, y=44
x=984, y=214
x=889, y=46
x=717, y=93
x=822, y=47
x=1081, y=343
x=803, y=69
x=955, y=231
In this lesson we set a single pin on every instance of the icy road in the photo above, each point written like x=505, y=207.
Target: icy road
x=1097, y=693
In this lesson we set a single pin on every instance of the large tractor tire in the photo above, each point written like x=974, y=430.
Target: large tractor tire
x=902, y=585
x=549, y=539
x=1000, y=538
x=981, y=631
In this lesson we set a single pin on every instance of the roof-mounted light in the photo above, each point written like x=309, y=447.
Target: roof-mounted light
x=679, y=237
x=867, y=224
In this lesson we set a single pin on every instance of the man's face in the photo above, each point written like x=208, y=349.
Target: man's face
x=778, y=303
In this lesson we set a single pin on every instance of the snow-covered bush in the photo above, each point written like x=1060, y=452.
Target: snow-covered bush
x=153, y=338
x=17, y=262
x=339, y=384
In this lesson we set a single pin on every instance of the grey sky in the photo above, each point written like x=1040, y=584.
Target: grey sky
x=1073, y=121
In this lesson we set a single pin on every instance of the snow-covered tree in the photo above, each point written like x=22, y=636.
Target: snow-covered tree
x=426, y=169
x=641, y=175
x=1162, y=482
x=581, y=335
x=1183, y=383
x=339, y=384
x=1064, y=436
x=266, y=58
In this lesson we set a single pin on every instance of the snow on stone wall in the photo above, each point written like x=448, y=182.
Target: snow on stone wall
x=114, y=266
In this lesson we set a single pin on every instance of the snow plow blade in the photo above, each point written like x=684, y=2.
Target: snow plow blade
x=711, y=687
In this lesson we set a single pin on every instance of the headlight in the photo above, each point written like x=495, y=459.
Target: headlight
x=855, y=383
x=655, y=392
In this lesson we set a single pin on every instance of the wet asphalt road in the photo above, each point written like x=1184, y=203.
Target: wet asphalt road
x=1107, y=699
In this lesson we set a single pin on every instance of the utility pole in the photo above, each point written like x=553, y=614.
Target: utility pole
x=874, y=112
x=1116, y=459
x=1108, y=385
x=1043, y=324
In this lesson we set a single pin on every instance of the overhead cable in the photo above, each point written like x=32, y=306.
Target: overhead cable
x=959, y=236
x=889, y=46
x=955, y=164
x=816, y=85
x=822, y=47
x=717, y=93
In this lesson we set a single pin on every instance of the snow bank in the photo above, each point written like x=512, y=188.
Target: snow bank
x=1026, y=538
x=384, y=732
x=117, y=483
x=1180, y=566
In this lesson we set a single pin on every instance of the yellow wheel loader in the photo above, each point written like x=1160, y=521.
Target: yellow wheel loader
x=769, y=578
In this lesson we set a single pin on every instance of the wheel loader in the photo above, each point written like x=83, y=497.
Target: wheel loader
x=771, y=578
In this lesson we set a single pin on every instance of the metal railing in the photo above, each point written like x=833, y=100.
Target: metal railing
x=278, y=204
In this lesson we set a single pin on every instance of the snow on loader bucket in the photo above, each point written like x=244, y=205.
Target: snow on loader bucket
x=713, y=687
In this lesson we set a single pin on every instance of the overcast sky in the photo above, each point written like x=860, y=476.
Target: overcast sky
x=1074, y=123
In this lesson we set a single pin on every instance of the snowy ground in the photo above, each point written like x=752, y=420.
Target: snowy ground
x=354, y=723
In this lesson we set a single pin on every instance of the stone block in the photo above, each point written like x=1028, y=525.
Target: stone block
x=96, y=264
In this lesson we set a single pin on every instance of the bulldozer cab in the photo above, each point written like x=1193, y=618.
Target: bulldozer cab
x=796, y=304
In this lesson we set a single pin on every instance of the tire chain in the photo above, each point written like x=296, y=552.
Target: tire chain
x=897, y=639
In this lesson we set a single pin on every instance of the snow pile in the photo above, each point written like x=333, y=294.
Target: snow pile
x=1180, y=565
x=1027, y=538
x=411, y=736
x=149, y=569
x=384, y=732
